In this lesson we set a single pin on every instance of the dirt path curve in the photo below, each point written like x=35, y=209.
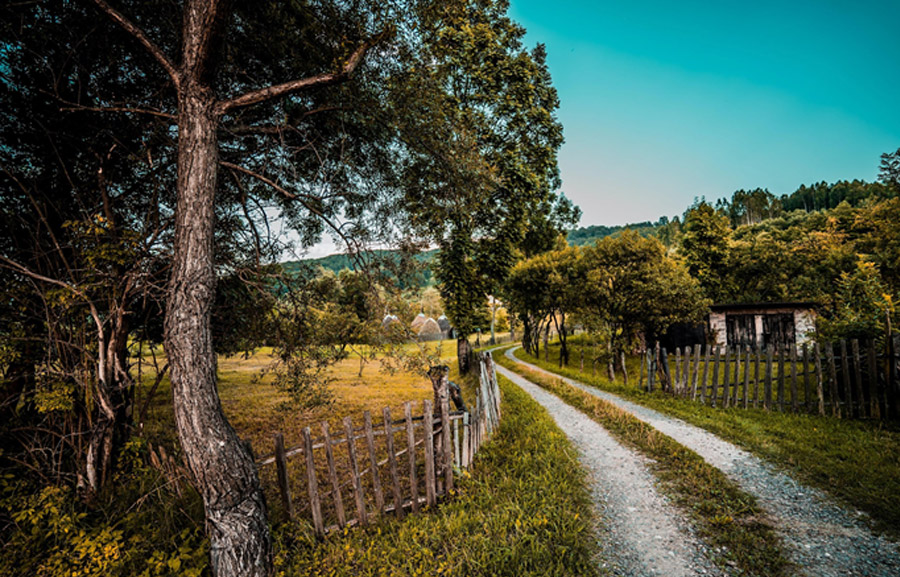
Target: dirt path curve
x=823, y=538
x=646, y=536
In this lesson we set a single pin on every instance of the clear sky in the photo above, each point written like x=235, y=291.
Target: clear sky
x=663, y=101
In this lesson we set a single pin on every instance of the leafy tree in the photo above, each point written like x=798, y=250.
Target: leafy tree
x=82, y=251
x=889, y=171
x=528, y=291
x=704, y=247
x=490, y=107
x=634, y=287
x=862, y=305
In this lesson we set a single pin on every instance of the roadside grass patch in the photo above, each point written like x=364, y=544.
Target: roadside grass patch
x=523, y=510
x=858, y=462
x=726, y=518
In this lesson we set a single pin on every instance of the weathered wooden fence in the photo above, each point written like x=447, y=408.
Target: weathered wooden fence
x=396, y=465
x=845, y=380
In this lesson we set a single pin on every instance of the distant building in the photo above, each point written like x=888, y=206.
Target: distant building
x=759, y=325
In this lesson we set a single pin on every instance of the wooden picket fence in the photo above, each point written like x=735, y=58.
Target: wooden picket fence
x=392, y=466
x=846, y=380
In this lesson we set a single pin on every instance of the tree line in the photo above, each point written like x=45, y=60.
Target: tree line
x=840, y=250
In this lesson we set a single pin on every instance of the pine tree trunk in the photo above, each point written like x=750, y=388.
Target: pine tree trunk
x=222, y=467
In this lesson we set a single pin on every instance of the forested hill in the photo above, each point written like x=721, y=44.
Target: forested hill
x=744, y=207
x=588, y=234
x=338, y=262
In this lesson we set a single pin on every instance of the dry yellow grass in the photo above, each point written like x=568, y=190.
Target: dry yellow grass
x=258, y=411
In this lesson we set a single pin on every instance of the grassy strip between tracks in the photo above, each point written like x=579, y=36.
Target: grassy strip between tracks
x=524, y=510
x=726, y=518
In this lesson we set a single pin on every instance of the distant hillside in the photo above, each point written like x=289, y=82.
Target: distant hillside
x=578, y=237
x=588, y=234
x=338, y=262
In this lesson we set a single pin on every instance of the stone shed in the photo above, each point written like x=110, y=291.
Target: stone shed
x=759, y=325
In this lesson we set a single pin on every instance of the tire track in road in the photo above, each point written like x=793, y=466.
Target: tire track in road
x=644, y=534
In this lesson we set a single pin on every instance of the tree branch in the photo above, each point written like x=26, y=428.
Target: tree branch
x=299, y=198
x=151, y=112
x=286, y=88
x=139, y=35
x=29, y=273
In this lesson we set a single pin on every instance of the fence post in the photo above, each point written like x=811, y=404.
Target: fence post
x=281, y=466
x=795, y=406
x=807, y=383
x=781, y=354
x=820, y=391
x=874, y=397
x=430, y=493
x=705, y=375
x=745, y=391
x=832, y=373
x=332, y=475
x=641, y=370
x=354, y=470
x=467, y=452
x=411, y=453
x=725, y=391
x=695, y=372
x=686, y=376
x=392, y=462
x=756, y=355
x=857, y=374
x=666, y=385
x=457, y=457
x=373, y=463
x=767, y=402
x=676, y=385
x=715, y=379
x=624, y=368
x=845, y=374
x=447, y=457
x=313, y=484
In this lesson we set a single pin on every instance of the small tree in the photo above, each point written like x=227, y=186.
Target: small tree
x=633, y=286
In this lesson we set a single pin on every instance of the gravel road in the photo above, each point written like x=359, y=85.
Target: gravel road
x=822, y=537
x=644, y=534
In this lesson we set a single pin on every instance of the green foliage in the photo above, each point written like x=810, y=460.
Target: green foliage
x=483, y=100
x=523, y=511
x=861, y=307
x=704, y=247
x=587, y=235
x=633, y=285
x=889, y=171
x=137, y=529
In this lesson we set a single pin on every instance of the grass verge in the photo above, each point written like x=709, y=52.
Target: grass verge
x=523, y=510
x=858, y=462
x=726, y=518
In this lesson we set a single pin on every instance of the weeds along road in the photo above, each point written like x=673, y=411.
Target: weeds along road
x=821, y=537
x=644, y=534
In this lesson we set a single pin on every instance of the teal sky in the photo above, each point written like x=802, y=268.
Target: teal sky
x=666, y=101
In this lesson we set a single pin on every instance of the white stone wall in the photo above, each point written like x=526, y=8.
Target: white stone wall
x=717, y=328
x=804, y=326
